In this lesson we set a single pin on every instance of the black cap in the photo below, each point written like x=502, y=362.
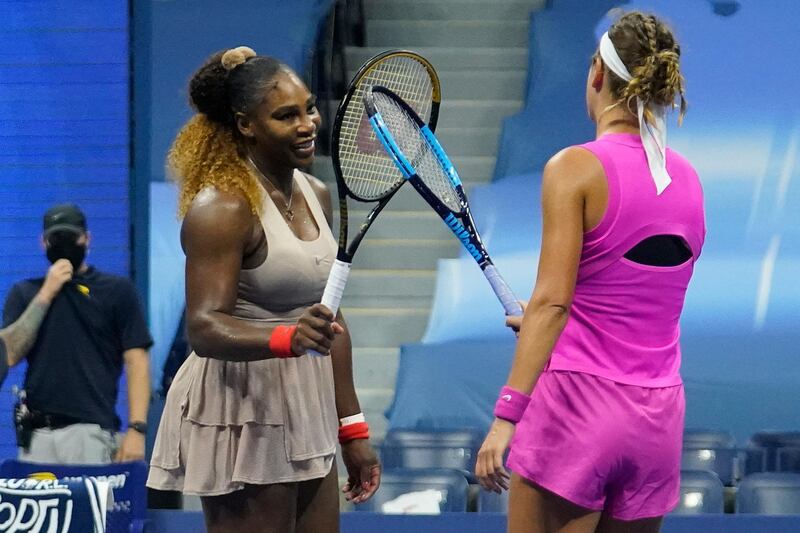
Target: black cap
x=64, y=217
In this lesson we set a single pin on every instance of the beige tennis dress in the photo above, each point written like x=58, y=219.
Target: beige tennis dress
x=227, y=424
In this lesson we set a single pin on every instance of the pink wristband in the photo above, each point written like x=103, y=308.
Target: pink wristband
x=511, y=404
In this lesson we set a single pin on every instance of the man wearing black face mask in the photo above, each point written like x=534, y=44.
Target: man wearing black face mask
x=93, y=327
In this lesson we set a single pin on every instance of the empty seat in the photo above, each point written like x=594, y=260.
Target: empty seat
x=431, y=449
x=701, y=493
x=754, y=461
x=707, y=438
x=419, y=491
x=722, y=461
x=771, y=441
x=789, y=460
x=769, y=493
x=491, y=502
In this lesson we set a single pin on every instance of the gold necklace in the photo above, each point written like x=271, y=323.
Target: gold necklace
x=287, y=212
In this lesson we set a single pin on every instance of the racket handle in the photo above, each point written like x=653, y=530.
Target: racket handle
x=503, y=291
x=334, y=289
x=332, y=297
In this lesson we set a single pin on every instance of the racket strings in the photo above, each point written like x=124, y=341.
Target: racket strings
x=366, y=168
x=409, y=138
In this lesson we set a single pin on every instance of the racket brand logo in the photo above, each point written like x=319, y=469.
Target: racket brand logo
x=463, y=235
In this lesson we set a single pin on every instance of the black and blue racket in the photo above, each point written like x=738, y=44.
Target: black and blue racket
x=422, y=161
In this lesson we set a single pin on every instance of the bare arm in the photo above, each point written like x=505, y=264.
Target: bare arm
x=564, y=185
x=568, y=177
x=21, y=335
x=137, y=372
x=214, y=236
x=361, y=461
x=342, y=349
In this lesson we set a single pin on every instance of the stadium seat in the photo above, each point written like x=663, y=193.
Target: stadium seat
x=754, y=460
x=419, y=491
x=707, y=438
x=770, y=493
x=789, y=459
x=431, y=449
x=701, y=493
x=722, y=461
x=491, y=502
x=771, y=441
x=129, y=512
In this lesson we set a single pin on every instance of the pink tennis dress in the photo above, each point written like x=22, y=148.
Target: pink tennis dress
x=605, y=423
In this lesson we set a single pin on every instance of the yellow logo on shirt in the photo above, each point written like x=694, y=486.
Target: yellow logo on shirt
x=83, y=289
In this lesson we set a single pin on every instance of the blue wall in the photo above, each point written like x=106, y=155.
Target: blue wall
x=64, y=98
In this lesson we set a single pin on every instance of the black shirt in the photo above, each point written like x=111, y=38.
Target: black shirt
x=75, y=364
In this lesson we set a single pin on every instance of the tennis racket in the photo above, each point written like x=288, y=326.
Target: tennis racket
x=420, y=158
x=364, y=172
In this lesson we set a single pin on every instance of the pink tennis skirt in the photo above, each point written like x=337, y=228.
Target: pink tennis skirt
x=602, y=445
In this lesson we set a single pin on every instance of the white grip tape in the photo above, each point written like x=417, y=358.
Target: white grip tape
x=503, y=291
x=334, y=289
x=337, y=279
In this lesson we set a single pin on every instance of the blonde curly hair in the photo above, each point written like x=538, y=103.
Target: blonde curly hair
x=208, y=150
x=205, y=154
x=650, y=52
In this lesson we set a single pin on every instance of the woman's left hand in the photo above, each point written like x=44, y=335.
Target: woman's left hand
x=363, y=470
x=489, y=465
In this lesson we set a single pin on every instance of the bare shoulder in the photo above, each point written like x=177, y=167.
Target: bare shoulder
x=317, y=185
x=573, y=168
x=217, y=216
x=323, y=193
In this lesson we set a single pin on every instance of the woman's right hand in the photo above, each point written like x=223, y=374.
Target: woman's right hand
x=515, y=322
x=489, y=463
x=315, y=331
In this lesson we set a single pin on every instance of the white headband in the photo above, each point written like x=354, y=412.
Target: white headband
x=654, y=136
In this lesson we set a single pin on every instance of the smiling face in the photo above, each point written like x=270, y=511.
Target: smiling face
x=283, y=128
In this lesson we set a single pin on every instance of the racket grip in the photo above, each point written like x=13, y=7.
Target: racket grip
x=332, y=297
x=334, y=289
x=503, y=291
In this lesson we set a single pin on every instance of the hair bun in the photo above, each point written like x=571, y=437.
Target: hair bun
x=236, y=56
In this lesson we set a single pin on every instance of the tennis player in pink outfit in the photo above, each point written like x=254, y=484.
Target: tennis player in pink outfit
x=594, y=402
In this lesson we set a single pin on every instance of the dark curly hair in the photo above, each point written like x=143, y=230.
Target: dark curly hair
x=207, y=150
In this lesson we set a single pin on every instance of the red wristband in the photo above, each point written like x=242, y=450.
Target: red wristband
x=358, y=430
x=280, y=342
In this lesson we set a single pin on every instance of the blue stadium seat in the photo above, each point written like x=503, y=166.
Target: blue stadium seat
x=707, y=438
x=769, y=493
x=722, y=461
x=449, y=486
x=431, y=449
x=491, y=502
x=129, y=512
x=754, y=461
x=772, y=441
x=789, y=459
x=701, y=493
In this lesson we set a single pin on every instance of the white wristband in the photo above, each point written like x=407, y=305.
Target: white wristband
x=352, y=419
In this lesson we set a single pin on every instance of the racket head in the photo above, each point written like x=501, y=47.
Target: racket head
x=363, y=169
x=414, y=148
